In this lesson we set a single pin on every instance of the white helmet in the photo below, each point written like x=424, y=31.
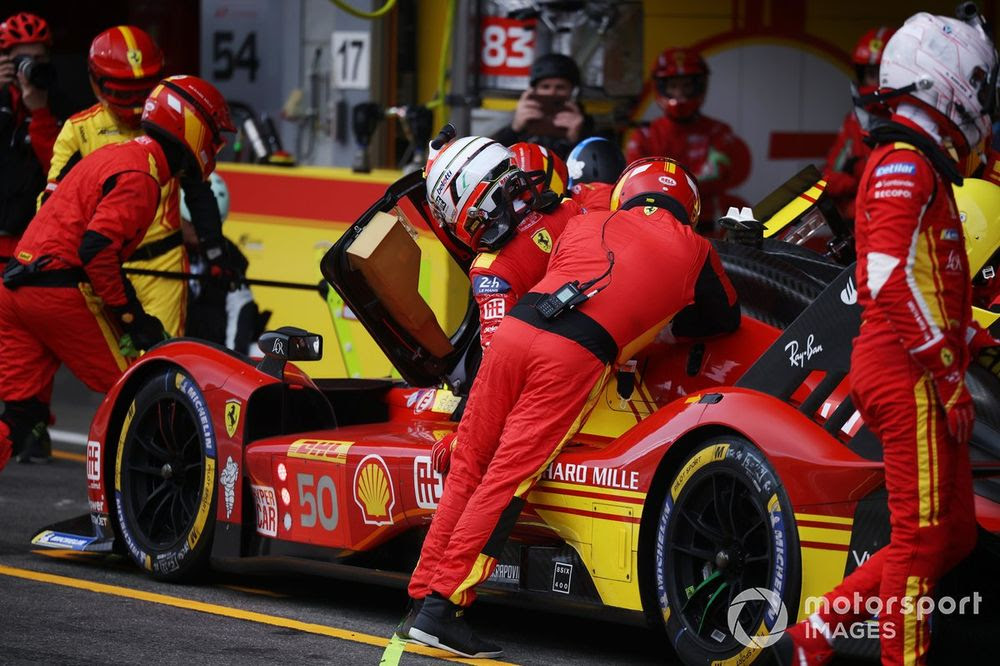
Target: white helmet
x=472, y=185
x=952, y=66
x=221, y=193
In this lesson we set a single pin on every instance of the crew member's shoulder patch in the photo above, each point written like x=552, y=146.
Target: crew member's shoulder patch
x=543, y=240
x=489, y=284
x=896, y=169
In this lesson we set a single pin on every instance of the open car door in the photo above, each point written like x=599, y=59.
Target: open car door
x=375, y=268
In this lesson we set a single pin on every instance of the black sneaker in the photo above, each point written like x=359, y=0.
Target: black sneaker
x=442, y=624
x=38, y=448
x=412, y=610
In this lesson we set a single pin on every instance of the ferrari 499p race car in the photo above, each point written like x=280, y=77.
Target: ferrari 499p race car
x=706, y=470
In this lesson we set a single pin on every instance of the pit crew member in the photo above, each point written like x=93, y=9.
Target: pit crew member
x=545, y=369
x=708, y=147
x=125, y=64
x=594, y=166
x=910, y=357
x=28, y=127
x=846, y=160
x=506, y=213
x=65, y=298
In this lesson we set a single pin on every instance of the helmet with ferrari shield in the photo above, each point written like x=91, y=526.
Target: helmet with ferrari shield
x=595, y=160
x=659, y=182
x=680, y=77
x=477, y=193
x=189, y=114
x=542, y=166
x=125, y=64
x=948, y=67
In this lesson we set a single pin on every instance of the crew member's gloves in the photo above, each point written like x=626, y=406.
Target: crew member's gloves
x=949, y=385
x=712, y=168
x=742, y=228
x=441, y=453
x=221, y=263
x=142, y=330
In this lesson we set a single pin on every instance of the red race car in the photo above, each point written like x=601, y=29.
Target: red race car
x=707, y=469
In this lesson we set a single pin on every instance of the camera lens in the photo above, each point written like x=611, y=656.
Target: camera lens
x=39, y=74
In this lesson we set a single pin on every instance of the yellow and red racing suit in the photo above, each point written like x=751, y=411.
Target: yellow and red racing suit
x=161, y=248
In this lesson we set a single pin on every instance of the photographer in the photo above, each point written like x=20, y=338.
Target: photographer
x=28, y=128
x=547, y=113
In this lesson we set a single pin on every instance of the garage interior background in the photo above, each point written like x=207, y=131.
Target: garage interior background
x=780, y=76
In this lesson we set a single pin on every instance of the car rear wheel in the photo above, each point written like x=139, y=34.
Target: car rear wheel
x=165, y=478
x=727, y=557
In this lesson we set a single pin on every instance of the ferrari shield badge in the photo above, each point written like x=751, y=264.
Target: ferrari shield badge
x=543, y=240
x=233, y=408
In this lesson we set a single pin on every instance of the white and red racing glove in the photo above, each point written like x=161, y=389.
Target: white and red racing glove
x=949, y=385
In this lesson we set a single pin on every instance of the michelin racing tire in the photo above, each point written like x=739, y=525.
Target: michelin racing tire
x=726, y=531
x=165, y=478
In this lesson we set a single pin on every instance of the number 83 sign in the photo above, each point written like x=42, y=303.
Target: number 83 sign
x=507, y=47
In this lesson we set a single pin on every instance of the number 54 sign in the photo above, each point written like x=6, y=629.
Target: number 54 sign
x=507, y=46
x=351, y=60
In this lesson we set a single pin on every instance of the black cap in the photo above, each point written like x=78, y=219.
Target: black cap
x=555, y=66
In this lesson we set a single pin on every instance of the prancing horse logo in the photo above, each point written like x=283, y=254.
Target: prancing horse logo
x=233, y=408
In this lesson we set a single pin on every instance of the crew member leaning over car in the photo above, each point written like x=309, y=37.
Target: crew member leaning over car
x=503, y=210
x=545, y=369
x=910, y=357
x=64, y=297
x=125, y=63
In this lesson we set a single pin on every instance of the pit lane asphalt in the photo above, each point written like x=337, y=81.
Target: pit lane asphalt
x=57, y=607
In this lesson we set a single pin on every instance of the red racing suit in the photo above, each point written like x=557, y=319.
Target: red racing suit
x=593, y=196
x=499, y=279
x=914, y=288
x=76, y=245
x=845, y=163
x=707, y=147
x=542, y=377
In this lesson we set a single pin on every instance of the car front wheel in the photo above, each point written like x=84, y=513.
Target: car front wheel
x=165, y=474
x=727, y=556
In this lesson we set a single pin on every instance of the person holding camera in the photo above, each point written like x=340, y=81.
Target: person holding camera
x=28, y=127
x=547, y=113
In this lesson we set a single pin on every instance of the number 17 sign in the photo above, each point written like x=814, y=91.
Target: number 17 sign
x=351, y=60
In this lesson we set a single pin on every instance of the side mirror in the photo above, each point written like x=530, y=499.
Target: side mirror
x=287, y=344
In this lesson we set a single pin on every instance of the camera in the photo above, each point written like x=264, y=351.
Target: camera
x=39, y=74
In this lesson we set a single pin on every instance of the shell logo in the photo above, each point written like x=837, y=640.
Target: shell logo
x=373, y=491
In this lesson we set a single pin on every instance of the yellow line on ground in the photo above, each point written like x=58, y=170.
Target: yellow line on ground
x=254, y=590
x=235, y=613
x=66, y=455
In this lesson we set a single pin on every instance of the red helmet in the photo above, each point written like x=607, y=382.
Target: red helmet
x=869, y=48
x=191, y=112
x=868, y=55
x=545, y=169
x=660, y=182
x=24, y=28
x=125, y=64
x=678, y=63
